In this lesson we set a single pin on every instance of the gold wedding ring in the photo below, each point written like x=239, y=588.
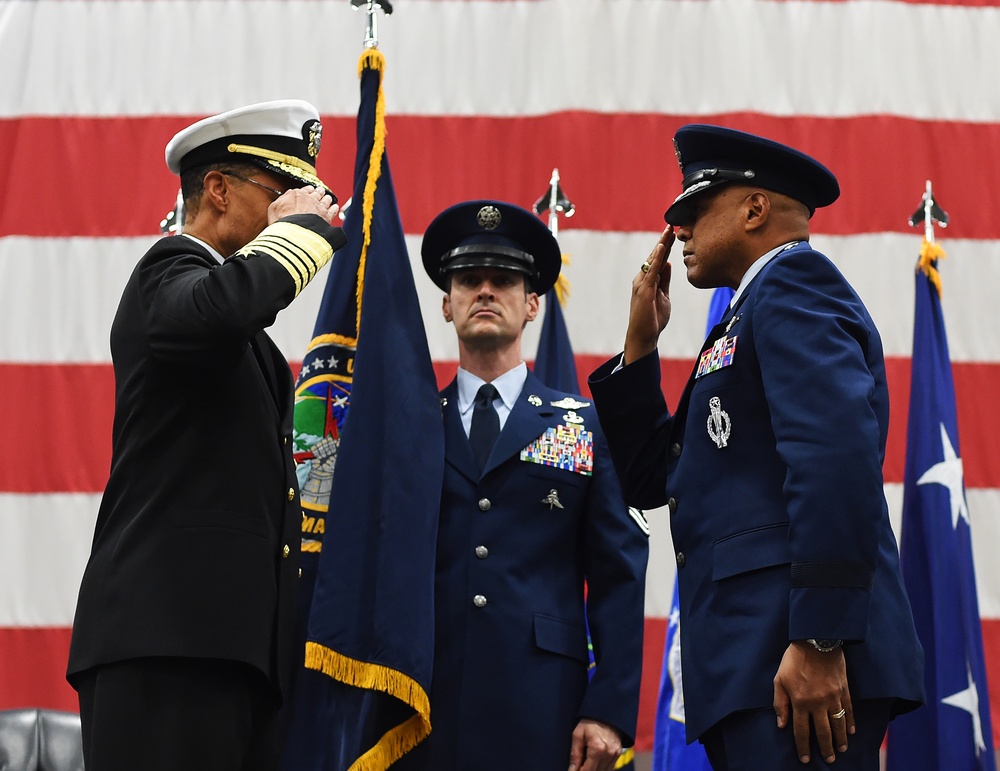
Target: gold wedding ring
x=645, y=267
x=838, y=715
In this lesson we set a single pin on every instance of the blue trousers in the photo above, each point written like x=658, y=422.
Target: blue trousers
x=751, y=741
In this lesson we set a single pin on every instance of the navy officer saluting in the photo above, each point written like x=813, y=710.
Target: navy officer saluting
x=182, y=642
x=531, y=509
x=791, y=597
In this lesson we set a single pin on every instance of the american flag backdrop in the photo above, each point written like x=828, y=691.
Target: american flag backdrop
x=484, y=98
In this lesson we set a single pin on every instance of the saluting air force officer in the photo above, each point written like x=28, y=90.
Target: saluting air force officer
x=184, y=628
x=531, y=512
x=791, y=599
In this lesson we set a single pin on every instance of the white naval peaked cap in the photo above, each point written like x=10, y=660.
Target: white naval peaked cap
x=281, y=136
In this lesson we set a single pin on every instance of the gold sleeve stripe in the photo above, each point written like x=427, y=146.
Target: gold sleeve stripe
x=299, y=276
x=299, y=256
x=298, y=250
x=281, y=250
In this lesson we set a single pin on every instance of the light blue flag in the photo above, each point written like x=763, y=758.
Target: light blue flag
x=671, y=752
x=952, y=730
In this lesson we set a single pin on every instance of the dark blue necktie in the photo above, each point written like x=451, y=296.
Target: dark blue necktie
x=485, y=424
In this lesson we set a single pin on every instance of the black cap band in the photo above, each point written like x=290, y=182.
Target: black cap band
x=490, y=255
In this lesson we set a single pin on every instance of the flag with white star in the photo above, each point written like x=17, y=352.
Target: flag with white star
x=952, y=730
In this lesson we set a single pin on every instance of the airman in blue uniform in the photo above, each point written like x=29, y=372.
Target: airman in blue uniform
x=531, y=514
x=791, y=599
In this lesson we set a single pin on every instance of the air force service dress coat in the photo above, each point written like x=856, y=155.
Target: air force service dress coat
x=515, y=545
x=772, y=470
x=196, y=544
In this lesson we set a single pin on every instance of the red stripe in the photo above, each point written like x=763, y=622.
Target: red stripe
x=654, y=638
x=619, y=169
x=33, y=669
x=60, y=434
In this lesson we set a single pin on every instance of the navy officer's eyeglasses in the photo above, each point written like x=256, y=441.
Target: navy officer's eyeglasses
x=271, y=190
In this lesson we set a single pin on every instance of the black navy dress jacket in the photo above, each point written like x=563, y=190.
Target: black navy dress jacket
x=510, y=667
x=197, y=537
x=781, y=531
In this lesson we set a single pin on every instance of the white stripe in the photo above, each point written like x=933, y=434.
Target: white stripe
x=984, y=509
x=686, y=57
x=75, y=284
x=44, y=548
x=46, y=542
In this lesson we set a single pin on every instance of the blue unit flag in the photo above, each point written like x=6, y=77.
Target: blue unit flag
x=362, y=700
x=953, y=729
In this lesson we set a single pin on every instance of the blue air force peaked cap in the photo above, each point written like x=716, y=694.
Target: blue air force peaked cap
x=491, y=234
x=710, y=156
x=281, y=136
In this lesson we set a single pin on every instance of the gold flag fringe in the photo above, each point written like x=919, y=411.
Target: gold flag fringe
x=361, y=674
x=371, y=59
x=562, y=284
x=397, y=741
x=930, y=253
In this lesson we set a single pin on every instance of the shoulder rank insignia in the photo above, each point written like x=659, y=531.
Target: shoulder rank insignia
x=570, y=448
x=534, y=401
x=639, y=517
x=569, y=403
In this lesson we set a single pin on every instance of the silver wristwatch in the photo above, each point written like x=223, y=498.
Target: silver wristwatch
x=824, y=645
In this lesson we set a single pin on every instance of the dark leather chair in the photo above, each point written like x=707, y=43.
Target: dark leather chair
x=40, y=740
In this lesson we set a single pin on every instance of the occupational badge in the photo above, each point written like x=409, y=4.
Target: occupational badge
x=720, y=355
x=534, y=401
x=568, y=447
x=552, y=499
x=719, y=424
x=572, y=417
x=569, y=403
